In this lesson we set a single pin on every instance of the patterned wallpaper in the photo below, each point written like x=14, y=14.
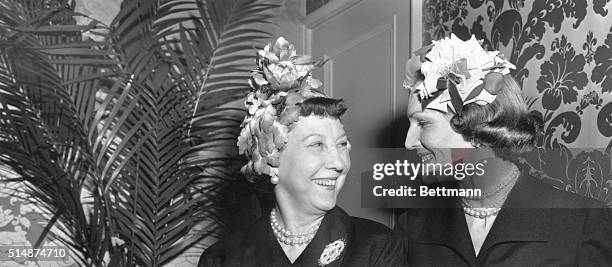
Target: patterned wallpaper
x=563, y=53
x=21, y=224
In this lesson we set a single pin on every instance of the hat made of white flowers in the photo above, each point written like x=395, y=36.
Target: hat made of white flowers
x=451, y=73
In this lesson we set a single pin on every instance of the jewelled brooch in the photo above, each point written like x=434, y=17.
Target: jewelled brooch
x=332, y=252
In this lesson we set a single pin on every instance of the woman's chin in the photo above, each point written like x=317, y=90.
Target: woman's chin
x=326, y=205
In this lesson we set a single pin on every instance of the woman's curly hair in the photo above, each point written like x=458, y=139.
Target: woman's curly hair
x=505, y=125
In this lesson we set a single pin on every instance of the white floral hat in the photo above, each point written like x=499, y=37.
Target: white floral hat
x=456, y=73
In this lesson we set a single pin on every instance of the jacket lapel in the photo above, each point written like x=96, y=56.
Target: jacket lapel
x=447, y=227
x=520, y=220
x=522, y=216
x=335, y=228
x=262, y=247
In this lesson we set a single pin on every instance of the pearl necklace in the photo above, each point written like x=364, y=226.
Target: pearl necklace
x=480, y=213
x=289, y=238
x=483, y=213
x=513, y=177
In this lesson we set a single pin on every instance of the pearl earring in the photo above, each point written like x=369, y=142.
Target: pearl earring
x=274, y=179
x=274, y=176
x=475, y=144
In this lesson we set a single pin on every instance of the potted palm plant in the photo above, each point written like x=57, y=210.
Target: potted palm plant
x=121, y=134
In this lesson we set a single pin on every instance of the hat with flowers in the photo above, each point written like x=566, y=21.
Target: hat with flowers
x=451, y=73
x=282, y=80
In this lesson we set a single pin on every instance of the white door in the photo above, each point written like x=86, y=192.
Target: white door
x=368, y=42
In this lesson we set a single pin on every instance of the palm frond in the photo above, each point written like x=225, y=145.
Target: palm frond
x=156, y=159
x=45, y=141
x=136, y=120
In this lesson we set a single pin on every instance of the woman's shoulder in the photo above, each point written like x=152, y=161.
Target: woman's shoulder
x=228, y=243
x=557, y=198
x=373, y=243
x=360, y=225
x=227, y=247
x=367, y=226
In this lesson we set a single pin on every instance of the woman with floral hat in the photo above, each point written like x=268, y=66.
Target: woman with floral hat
x=464, y=107
x=295, y=142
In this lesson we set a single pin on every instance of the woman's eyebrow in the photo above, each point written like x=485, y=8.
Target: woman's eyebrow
x=428, y=115
x=342, y=136
x=412, y=114
x=311, y=135
x=420, y=115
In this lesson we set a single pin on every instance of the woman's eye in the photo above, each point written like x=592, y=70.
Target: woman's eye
x=423, y=123
x=316, y=144
x=344, y=144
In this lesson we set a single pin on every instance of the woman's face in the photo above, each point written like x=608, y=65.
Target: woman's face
x=430, y=133
x=313, y=165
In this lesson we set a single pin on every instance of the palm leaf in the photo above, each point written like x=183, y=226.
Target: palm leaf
x=46, y=142
x=136, y=120
x=152, y=166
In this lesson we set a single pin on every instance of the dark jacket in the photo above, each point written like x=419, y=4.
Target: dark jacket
x=367, y=243
x=537, y=226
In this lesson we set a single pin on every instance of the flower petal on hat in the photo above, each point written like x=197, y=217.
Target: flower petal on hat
x=314, y=83
x=441, y=103
x=482, y=99
x=302, y=60
x=430, y=83
x=493, y=82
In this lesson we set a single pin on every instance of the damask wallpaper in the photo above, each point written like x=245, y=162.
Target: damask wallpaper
x=21, y=224
x=563, y=53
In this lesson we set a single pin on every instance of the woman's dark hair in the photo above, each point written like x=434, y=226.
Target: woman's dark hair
x=504, y=125
x=322, y=106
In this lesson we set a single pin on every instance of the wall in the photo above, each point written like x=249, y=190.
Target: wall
x=562, y=50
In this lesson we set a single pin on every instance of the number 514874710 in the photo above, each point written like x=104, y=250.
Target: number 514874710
x=38, y=254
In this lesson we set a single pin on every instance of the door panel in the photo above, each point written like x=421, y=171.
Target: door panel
x=367, y=44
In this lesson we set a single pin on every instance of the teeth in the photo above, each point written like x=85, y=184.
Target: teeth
x=427, y=157
x=325, y=182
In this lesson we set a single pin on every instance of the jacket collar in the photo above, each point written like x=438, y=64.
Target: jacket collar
x=518, y=221
x=447, y=227
x=336, y=225
x=523, y=215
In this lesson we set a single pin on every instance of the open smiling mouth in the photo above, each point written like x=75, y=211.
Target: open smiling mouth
x=326, y=183
x=427, y=157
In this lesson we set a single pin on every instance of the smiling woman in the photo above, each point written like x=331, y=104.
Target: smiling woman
x=315, y=161
x=295, y=142
x=463, y=97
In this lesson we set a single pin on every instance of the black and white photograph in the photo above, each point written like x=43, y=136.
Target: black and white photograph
x=305, y=133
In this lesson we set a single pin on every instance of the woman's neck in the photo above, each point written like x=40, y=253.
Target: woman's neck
x=296, y=221
x=496, y=171
x=498, y=178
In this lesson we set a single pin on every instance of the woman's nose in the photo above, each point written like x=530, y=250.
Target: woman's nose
x=335, y=160
x=413, y=140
